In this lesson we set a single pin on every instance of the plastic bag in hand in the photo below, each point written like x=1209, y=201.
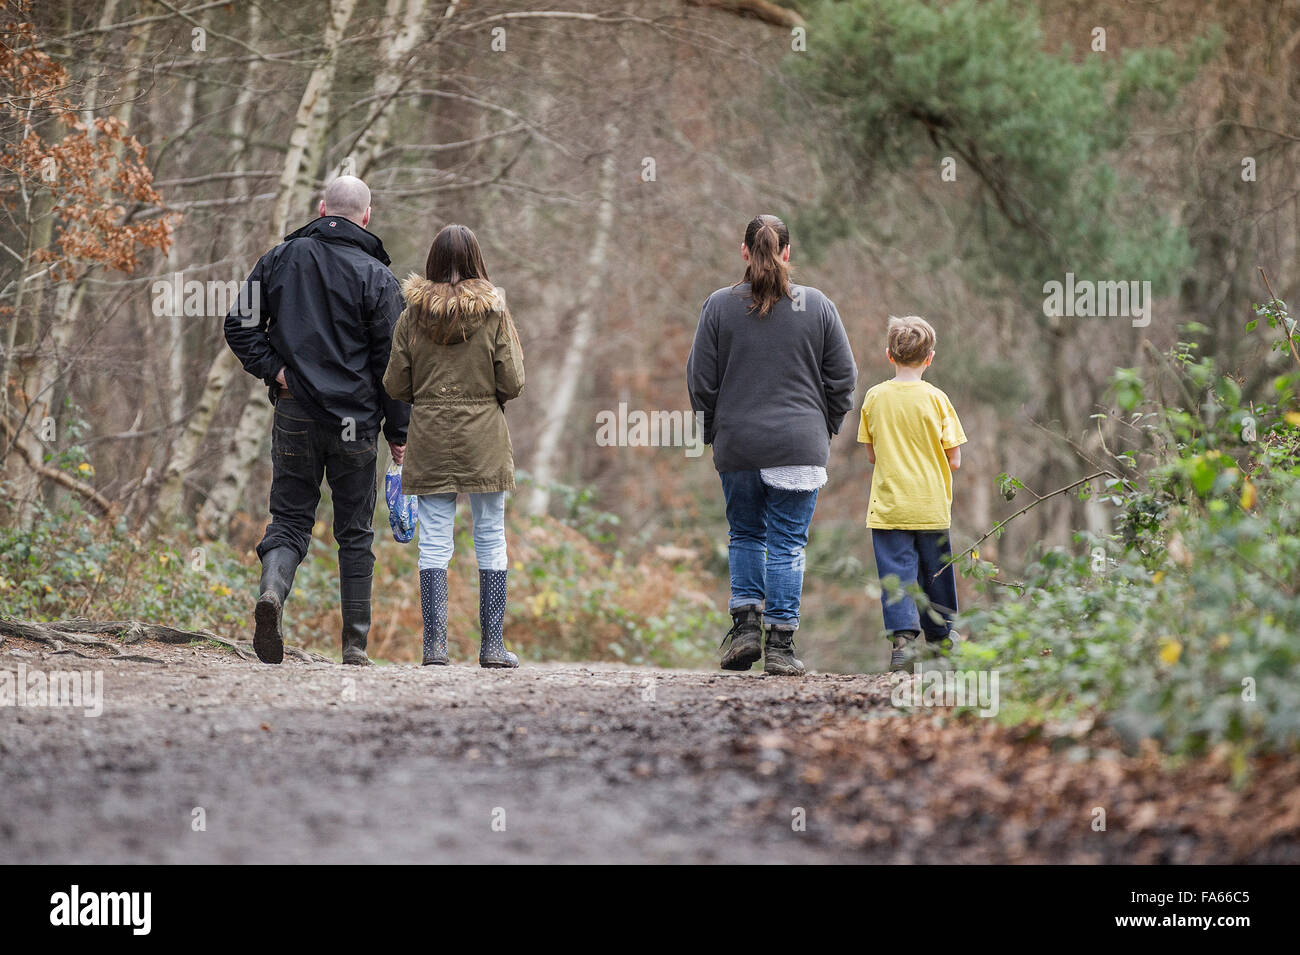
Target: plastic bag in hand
x=403, y=513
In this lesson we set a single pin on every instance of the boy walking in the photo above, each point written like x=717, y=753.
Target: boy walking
x=913, y=439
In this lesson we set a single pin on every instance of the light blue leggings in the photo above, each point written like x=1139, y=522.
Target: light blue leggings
x=438, y=525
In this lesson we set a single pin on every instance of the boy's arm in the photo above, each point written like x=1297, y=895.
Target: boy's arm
x=953, y=436
x=865, y=436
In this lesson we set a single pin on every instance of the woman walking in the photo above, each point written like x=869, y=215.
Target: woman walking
x=456, y=358
x=772, y=375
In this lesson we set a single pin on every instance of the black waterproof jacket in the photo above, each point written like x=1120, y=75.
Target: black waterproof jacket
x=323, y=308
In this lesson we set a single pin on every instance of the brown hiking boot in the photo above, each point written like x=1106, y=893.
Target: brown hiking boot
x=779, y=658
x=744, y=641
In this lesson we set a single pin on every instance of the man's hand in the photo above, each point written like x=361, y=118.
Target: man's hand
x=399, y=452
x=279, y=377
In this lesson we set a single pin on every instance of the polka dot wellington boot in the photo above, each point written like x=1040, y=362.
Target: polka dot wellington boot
x=493, y=654
x=433, y=604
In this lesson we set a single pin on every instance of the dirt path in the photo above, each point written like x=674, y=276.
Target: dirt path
x=321, y=763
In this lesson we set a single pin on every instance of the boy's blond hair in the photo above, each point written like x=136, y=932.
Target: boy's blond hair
x=911, y=339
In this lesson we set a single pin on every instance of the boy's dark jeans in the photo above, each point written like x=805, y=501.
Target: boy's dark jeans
x=303, y=450
x=915, y=557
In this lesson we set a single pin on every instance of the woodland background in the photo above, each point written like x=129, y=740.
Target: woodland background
x=190, y=136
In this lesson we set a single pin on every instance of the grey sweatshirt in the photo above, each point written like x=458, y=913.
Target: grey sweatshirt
x=771, y=390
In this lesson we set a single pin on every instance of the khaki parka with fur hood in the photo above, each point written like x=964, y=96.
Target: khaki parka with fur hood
x=457, y=383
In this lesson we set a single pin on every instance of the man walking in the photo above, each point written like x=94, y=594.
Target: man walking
x=316, y=325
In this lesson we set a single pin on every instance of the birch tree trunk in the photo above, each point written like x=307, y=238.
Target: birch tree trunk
x=307, y=119
x=564, y=397
x=247, y=443
x=45, y=384
x=176, y=323
x=171, y=493
x=404, y=22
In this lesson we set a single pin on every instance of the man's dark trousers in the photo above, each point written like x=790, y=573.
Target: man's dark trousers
x=303, y=451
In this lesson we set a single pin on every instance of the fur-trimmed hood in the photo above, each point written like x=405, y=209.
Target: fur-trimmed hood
x=457, y=388
x=454, y=312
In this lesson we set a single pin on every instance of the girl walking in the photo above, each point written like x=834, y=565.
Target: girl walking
x=772, y=375
x=456, y=358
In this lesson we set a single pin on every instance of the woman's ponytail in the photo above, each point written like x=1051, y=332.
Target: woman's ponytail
x=768, y=274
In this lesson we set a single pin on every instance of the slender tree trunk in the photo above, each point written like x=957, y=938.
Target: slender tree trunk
x=175, y=381
x=247, y=443
x=560, y=407
x=318, y=86
x=404, y=22
x=45, y=386
x=224, y=367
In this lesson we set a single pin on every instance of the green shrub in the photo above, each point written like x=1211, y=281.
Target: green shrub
x=71, y=564
x=1183, y=625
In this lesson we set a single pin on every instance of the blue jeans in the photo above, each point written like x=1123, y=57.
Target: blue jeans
x=916, y=558
x=438, y=527
x=769, y=531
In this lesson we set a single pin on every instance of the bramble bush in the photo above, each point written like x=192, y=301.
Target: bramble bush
x=1184, y=624
x=73, y=564
x=581, y=599
x=571, y=596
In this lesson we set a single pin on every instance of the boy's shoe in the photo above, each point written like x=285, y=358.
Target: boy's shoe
x=744, y=641
x=904, y=649
x=778, y=657
x=940, y=647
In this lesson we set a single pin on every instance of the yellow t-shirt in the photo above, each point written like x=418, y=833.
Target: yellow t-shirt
x=909, y=424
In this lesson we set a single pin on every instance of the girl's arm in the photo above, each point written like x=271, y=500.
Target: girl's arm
x=397, y=377
x=508, y=360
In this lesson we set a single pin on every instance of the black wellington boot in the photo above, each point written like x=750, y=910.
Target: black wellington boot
x=492, y=654
x=779, y=659
x=278, y=567
x=433, y=605
x=354, y=601
x=744, y=641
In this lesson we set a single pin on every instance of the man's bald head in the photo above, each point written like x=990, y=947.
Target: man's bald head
x=349, y=197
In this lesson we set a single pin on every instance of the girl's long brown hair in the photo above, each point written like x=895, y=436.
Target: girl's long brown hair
x=455, y=256
x=768, y=275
